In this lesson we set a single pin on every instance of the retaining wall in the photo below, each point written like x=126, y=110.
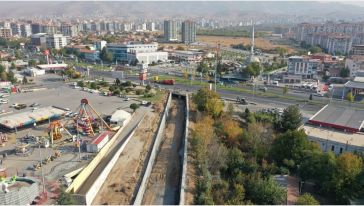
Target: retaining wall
x=22, y=196
x=86, y=172
x=96, y=186
x=184, y=156
x=153, y=154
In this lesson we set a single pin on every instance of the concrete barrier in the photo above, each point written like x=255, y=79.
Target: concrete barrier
x=185, y=154
x=156, y=144
x=96, y=186
x=85, y=173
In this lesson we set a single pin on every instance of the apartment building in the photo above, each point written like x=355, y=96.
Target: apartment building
x=26, y=30
x=5, y=33
x=69, y=30
x=170, y=31
x=56, y=41
x=188, y=32
x=303, y=66
x=355, y=63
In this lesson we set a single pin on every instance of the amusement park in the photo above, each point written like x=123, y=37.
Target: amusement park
x=42, y=149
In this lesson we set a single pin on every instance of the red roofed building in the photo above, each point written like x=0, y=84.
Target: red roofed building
x=99, y=142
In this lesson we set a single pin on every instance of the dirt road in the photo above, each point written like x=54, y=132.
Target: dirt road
x=120, y=185
x=163, y=186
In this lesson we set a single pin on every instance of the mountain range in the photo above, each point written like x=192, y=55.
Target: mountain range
x=168, y=9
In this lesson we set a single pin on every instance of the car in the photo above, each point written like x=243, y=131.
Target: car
x=34, y=105
x=34, y=108
x=127, y=99
x=264, y=89
x=67, y=109
x=318, y=94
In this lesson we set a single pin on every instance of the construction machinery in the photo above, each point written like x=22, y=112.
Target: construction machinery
x=86, y=119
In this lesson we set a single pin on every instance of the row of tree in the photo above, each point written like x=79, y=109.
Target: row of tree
x=236, y=160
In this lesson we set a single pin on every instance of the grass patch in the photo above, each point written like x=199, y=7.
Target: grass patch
x=158, y=97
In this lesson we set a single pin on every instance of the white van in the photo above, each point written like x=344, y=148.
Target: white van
x=275, y=83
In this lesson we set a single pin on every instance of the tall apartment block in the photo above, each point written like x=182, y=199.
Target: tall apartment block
x=188, y=32
x=170, y=30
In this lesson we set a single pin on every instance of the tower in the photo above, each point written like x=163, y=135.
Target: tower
x=252, y=46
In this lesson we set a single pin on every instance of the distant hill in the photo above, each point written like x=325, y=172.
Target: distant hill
x=177, y=9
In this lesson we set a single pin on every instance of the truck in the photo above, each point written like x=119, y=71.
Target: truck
x=166, y=82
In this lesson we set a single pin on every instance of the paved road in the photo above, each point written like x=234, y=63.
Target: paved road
x=121, y=139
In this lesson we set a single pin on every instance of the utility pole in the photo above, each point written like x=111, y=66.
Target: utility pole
x=217, y=56
x=41, y=166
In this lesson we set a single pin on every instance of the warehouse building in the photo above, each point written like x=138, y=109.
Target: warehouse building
x=337, y=128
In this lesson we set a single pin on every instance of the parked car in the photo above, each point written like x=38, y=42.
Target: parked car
x=34, y=105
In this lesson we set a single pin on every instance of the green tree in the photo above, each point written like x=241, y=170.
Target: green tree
x=117, y=81
x=307, y=199
x=66, y=198
x=253, y=69
x=3, y=76
x=345, y=182
x=116, y=92
x=285, y=90
x=281, y=51
x=344, y=72
x=315, y=49
x=291, y=118
x=350, y=97
x=11, y=77
x=203, y=67
x=2, y=68
x=106, y=55
x=208, y=101
x=81, y=83
x=32, y=63
x=266, y=192
x=148, y=88
x=291, y=145
x=93, y=85
x=12, y=66
x=25, y=80
x=134, y=107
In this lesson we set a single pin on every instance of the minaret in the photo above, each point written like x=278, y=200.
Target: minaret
x=252, y=46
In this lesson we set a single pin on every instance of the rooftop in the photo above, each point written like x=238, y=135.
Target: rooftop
x=343, y=118
x=354, y=84
x=30, y=117
x=355, y=139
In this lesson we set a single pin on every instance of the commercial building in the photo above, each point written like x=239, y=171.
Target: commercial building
x=28, y=118
x=188, y=32
x=39, y=40
x=303, y=65
x=190, y=56
x=90, y=55
x=337, y=128
x=170, y=31
x=128, y=53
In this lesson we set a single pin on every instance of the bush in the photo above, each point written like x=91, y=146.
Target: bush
x=148, y=95
x=134, y=107
x=139, y=92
